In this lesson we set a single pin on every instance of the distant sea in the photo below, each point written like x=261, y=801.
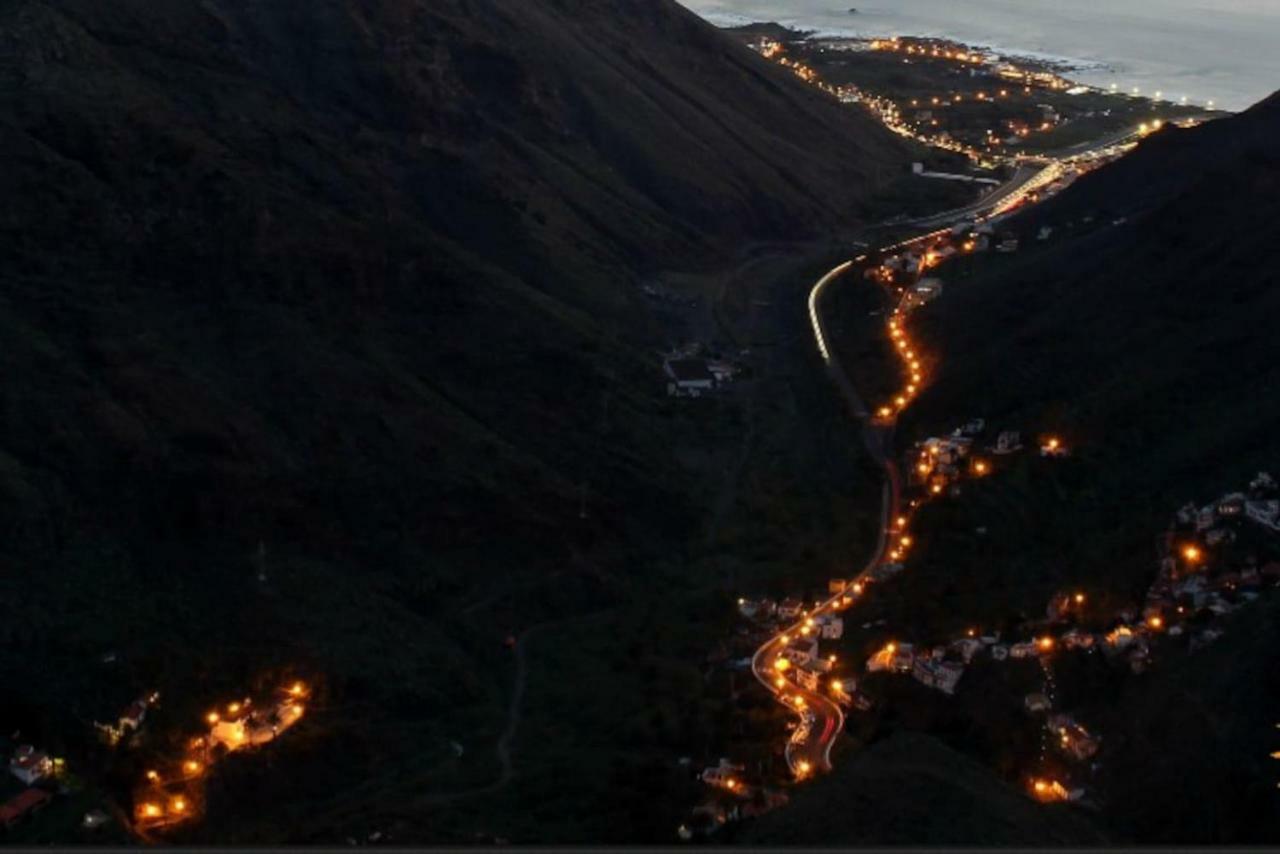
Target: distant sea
x=1227, y=51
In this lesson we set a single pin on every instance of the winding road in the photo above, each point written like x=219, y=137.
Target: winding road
x=822, y=718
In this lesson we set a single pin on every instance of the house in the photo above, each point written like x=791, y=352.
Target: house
x=1008, y=244
x=974, y=427
x=894, y=657
x=688, y=377
x=999, y=652
x=722, y=371
x=800, y=651
x=924, y=291
x=722, y=775
x=1026, y=649
x=1008, y=442
x=789, y=608
x=757, y=609
x=1075, y=639
x=1046, y=231
x=847, y=686
x=943, y=675
x=1232, y=504
x=1053, y=448
x=806, y=678
x=1071, y=738
x=821, y=665
x=30, y=765
x=1262, y=485
x=1206, y=518
x=133, y=716
x=1186, y=514
x=1037, y=703
x=20, y=806
x=832, y=627
x=966, y=648
x=837, y=585
x=1120, y=637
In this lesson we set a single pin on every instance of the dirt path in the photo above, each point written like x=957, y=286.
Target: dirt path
x=515, y=713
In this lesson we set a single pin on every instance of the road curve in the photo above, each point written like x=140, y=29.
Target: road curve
x=809, y=750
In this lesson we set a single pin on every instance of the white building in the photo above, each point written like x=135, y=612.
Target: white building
x=832, y=627
x=30, y=765
x=688, y=377
x=1008, y=442
x=943, y=675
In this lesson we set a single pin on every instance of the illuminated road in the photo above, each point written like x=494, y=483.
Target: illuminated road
x=821, y=719
x=809, y=750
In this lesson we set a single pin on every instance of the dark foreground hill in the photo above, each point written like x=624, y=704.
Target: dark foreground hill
x=323, y=332
x=911, y=789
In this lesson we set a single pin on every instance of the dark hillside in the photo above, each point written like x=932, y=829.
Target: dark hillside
x=1146, y=339
x=911, y=789
x=324, y=347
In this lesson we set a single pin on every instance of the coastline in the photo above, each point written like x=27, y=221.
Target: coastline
x=1060, y=62
x=1119, y=64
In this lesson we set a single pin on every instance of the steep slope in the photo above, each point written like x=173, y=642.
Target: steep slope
x=1144, y=333
x=324, y=332
x=1145, y=338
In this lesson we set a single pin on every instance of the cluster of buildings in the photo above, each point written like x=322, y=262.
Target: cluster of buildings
x=689, y=374
x=940, y=667
x=33, y=768
x=128, y=722
x=175, y=795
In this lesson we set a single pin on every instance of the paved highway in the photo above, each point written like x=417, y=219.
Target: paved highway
x=821, y=717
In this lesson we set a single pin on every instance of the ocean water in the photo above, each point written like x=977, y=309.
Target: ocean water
x=1225, y=51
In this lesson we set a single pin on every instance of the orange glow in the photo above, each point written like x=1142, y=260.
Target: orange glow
x=1155, y=622
x=857, y=588
x=178, y=805
x=297, y=688
x=152, y=776
x=1079, y=597
x=1045, y=643
x=980, y=467
x=1191, y=553
x=191, y=766
x=212, y=717
x=937, y=489
x=150, y=810
x=781, y=665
